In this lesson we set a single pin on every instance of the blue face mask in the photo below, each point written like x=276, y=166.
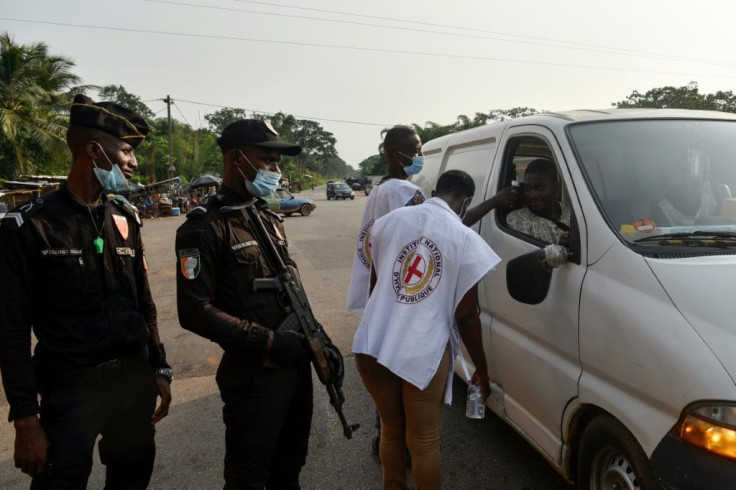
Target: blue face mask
x=112, y=181
x=265, y=182
x=417, y=162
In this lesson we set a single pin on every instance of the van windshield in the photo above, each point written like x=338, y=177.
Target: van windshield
x=665, y=182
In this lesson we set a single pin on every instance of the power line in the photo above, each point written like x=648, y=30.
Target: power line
x=362, y=49
x=182, y=114
x=295, y=115
x=470, y=29
x=454, y=34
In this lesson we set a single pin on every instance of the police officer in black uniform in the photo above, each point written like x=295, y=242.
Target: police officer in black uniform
x=264, y=376
x=73, y=270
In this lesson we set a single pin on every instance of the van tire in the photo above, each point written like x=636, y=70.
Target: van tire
x=610, y=457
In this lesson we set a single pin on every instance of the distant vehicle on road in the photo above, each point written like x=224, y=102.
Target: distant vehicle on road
x=339, y=190
x=283, y=201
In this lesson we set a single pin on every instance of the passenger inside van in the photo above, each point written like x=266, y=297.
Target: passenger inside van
x=544, y=218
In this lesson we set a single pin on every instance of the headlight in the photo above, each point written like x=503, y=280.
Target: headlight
x=710, y=426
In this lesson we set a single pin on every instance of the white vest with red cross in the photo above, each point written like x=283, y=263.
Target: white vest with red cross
x=425, y=261
x=385, y=197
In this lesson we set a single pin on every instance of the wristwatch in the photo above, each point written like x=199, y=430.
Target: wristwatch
x=165, y=373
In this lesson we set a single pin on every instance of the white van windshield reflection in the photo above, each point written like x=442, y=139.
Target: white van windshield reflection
x=664, y=179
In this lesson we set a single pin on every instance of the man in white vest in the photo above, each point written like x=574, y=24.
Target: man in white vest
x=424, y=298
x=403, y=149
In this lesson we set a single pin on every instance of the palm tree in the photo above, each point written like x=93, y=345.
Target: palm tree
x=35, y=92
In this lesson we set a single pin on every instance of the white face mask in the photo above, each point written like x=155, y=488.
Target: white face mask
x=265, y=182
x=113, y=181
x=417, y=162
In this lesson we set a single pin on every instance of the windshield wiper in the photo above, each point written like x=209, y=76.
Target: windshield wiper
x=693, y=238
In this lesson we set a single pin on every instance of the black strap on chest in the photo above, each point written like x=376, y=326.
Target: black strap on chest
x=299, y=312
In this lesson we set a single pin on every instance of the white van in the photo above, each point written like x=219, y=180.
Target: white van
x=619, y=365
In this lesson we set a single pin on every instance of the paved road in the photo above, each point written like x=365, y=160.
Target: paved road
x=475, y=454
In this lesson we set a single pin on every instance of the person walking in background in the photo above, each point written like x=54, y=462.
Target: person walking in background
x=73, y=269
x=426, y=267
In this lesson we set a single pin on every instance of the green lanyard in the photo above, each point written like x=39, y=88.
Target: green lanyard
x=98, y=242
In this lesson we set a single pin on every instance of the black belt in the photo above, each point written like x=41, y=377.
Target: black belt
x=103, y=372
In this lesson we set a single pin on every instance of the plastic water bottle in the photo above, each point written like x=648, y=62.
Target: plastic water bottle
x=474, y=407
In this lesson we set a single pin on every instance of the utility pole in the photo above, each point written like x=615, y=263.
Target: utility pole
x=171, y=168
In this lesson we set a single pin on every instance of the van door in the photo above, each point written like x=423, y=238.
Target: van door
x=533, y=349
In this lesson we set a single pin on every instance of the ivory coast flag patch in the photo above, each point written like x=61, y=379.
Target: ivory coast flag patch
x=189, y=262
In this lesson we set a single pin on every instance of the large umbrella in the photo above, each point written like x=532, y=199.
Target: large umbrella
x=205, y=180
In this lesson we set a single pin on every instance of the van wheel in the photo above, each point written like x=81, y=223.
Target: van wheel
x=610, y=457
x=306, y=209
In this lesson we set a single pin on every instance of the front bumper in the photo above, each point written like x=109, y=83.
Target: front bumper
x=682, y=466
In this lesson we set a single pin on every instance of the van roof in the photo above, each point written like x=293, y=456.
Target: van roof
x=560, y=119
x=633, y=113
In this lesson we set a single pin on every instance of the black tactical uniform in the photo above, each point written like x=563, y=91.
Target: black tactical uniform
x=95, y=322
x=268, y=408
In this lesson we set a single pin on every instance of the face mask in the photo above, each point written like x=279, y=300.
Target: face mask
x=417, y=162
x=265, y=182
x=112, y=181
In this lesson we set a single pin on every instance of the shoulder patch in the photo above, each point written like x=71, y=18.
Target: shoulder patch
x=197, y=212
x=122, y=204
x=202, y=209
x=13, y=220
x=417, y=198
x=17, y=216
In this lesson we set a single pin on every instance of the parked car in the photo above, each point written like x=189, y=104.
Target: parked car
x=618, y=366
x=283, y=201
x=339, y=190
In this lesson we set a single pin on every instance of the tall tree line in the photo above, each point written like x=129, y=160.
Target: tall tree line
x=36, y=91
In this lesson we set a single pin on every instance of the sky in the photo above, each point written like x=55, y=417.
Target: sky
x=359, y=67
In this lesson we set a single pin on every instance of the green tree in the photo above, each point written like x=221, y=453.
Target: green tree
x=36, y=89
x=118, y=95
x=685, y=97
x=222, y=117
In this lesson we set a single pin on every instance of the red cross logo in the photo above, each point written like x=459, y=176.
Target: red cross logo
x=414, y=269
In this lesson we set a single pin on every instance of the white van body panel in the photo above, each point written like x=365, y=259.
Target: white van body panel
x=644, y=387
x=710, y=307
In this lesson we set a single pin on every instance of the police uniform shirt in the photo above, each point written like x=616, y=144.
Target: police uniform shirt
x=218, y=257
x=385, y=197
x=425, y=261
x=85, y=307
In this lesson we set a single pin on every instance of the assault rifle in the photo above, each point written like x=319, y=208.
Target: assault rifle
x=300, y=317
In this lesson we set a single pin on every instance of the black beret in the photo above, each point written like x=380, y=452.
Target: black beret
x=254, y=132
x=110, y=118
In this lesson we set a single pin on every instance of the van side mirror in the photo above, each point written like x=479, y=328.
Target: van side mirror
x=528, y=278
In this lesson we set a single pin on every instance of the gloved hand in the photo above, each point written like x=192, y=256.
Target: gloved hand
x=287, y=348
x=334, y=357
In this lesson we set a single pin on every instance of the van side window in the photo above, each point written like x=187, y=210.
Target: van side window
x=543, y=213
